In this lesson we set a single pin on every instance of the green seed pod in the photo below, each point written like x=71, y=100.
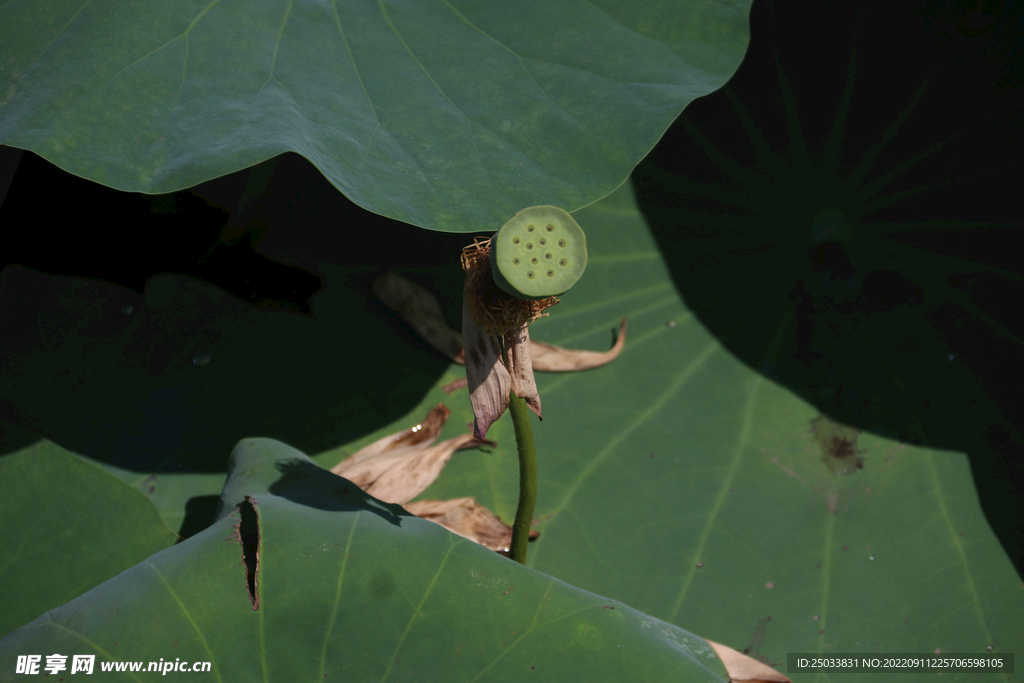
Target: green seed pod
x=539, y=252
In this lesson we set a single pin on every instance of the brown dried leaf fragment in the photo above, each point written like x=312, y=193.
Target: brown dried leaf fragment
x=454, y=386
x=551, y=358
x=399, y=467
x=420, y=310
x=469, y=519
x=743, y=669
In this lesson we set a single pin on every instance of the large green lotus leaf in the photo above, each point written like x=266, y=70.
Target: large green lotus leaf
x=348, y=588
x=613, y=519
x=855, y=233
x=67, y=526
x=449, y=115
x=177, y=496
x=681, y=482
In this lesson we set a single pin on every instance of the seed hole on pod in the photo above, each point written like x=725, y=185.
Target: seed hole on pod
x=515, y=262
x=530, y=228
x=562, y=262
x=530, y=275
x=551, y=273
x=550, y=228
x=542, y=241
x=534, y=260
x=561, y=243
x=548, y=256
x=529, y=245
x=515, y=240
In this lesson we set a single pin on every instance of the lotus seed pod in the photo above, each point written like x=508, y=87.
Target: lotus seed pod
x=539, y=252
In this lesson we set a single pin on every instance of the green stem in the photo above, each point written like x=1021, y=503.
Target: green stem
x=527, y=477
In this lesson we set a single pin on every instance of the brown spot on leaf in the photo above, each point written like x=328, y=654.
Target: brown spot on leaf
x=758, y=638
x=838, y=445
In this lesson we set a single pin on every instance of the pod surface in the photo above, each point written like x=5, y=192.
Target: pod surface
x=539, y=252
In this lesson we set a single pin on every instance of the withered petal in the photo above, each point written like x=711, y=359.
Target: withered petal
x=455, y=385
x=410, y=476
x=489, y=379
x=520, y=366
x=419, y=309
x=365, y=471
x=424, y=433
x=744, y=669
x=398, y=467
x=551, y=358
x=469, y=519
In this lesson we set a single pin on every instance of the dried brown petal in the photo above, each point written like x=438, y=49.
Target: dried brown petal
x=420, y=310
x=520, y=366
x=743, y=669
x=410, y=476
x=469, y=519
x=426, y=431
x=489, y=379
x=401, y=466
x=456, y=384
x=551, y=358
